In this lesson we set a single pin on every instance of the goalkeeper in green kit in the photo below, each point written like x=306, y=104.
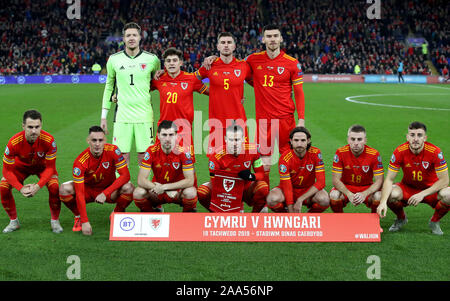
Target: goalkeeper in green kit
x=130, y=72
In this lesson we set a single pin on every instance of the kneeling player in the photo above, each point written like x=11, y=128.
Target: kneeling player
x=357, y=173
x=94, y=179
x=173, y=174
x=236, y=158
x=425, y=179
x=302, y=177
x=30, y=152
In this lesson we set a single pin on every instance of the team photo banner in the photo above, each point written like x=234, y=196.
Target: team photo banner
x=269, y=227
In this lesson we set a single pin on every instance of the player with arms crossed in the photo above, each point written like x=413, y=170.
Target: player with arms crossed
x=176, y=89
x=302, y=177
x=130, y=71
x=94, y=179
x=30, y=152
x=357, y=173
x=237, y=158
x=173, y=174
x=275, y=75
x=226, y=90
x=425, y=179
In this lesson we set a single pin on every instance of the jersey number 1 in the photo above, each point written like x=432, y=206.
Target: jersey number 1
x=131, y=80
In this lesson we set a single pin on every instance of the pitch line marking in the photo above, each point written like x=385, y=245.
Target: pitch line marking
x=350, y=99
x=435, y=87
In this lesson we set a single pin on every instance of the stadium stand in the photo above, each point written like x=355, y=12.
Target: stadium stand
x=328, y=37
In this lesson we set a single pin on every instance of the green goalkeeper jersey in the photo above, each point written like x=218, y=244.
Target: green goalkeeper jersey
x=131, y=76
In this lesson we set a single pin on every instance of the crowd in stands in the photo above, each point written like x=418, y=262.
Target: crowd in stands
x=329, y=36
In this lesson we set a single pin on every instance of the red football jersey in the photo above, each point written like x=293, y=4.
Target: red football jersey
x=357, y=171
x=167, y=168
x=301, y=172
x=98, y=173
x=234, y=164
x=419, y=171
x=176, y=96
x=273, y=80
x=30, y=158
x=226, y=89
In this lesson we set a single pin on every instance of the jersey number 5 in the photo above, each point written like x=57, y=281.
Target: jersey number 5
x=226, y=84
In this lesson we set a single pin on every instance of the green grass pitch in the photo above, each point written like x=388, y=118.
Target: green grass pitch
x=35, y=253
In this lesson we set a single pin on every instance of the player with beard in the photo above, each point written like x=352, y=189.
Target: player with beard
x=30, y=152
x=425, y=179
x=302, y=177
x=237, y=158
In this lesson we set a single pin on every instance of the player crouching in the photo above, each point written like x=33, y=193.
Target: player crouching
x=173, y=174
x=425, y=179
x=231, y=178
x=302, y=177
x=94, y=179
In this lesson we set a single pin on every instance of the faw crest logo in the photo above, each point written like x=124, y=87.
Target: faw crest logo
x=143, y=66
x=309, y=167
x=247, y=164
x=228, y=184
x=176, y=165
x=237, y=72
x=184, y=86
x=425, y=164
x=105, y=165
x=155, y=223
x=280, y=70
x=365, y=168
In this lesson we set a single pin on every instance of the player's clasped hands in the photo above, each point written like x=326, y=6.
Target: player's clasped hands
x=158, y=189
x=29, y=190
x=358, y=198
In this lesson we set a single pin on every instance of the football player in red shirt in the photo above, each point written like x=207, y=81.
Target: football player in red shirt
x=176, y=89
x=275, y=75
x=173, y=174
x=226, y=90
x=425, y=179
x=237, y=158
x=357, y=173
x=302, y=177
x=94, y=179
x=30, y=152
